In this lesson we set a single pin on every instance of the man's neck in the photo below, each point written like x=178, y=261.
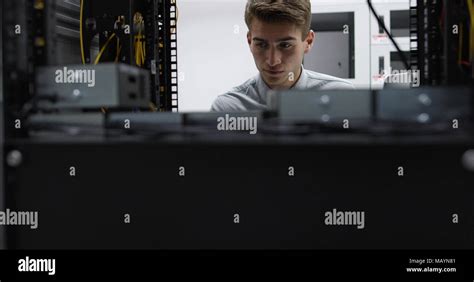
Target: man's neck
x=298, y=76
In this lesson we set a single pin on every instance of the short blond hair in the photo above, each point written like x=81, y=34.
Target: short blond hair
x=297, y=12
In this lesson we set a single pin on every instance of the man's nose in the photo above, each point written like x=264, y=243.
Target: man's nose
x=274, y=57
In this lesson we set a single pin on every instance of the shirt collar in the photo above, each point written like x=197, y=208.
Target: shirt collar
x=262, y=87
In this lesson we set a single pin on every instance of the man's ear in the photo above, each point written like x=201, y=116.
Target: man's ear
x=309, y=41
x=249, y=38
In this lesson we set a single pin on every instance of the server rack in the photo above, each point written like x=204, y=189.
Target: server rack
x=416, y=50
x=160, y=31
x=432, y=22
x=47, y=32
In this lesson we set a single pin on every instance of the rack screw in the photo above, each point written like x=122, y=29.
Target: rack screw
x=468, y=160
x=14, y=158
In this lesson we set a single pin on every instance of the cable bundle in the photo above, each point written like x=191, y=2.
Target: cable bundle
x=139, y=40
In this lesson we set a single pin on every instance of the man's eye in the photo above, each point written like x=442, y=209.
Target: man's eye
x=262, y=45
x=285, y=45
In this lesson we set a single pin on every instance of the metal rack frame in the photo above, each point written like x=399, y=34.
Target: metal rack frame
x=434, y=47
x=23, y=53
x=167, y=52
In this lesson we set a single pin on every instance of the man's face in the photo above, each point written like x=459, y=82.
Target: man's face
x=278, y=50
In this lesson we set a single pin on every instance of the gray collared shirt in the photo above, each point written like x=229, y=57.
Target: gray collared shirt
x=252, y=95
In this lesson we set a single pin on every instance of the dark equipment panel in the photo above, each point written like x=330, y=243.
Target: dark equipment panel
x=276, y=211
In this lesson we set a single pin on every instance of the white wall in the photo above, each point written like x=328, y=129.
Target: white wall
x=213, y=54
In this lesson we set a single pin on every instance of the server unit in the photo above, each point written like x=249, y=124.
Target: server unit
x=118, y=86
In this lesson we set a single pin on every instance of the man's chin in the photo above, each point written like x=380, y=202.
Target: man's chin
x=275, y=75
x=275, y=82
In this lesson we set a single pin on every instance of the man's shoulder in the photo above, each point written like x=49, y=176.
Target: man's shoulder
x=244, y=88
x=326, y=82
x=239, y=98
x=228, y=102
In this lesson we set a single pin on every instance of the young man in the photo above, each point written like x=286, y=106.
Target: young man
x=279, y=36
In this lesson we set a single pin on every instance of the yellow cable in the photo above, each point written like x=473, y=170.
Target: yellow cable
x=153, y=107
x=135, y=44
x=118, y=56
x=119, y=48
x=139, y=44
x=142, y=53
x=139, y=50
x=97, y=59
x=136, y=52
x=461, y=31
x=81, y=39
x=471, y=13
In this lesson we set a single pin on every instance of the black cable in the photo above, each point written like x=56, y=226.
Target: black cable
x=382, y=24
